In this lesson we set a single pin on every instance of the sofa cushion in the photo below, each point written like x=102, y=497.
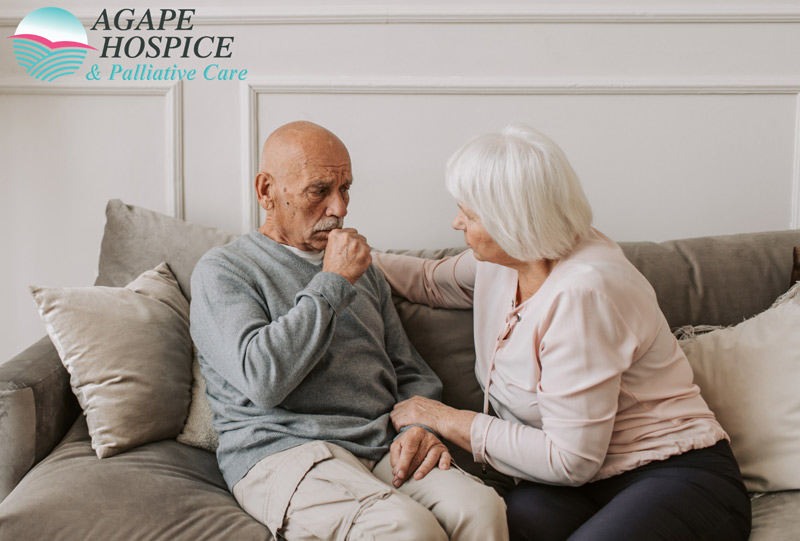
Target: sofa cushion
x=161, y=490
x=775, y=516
x=717, y=280
x=137, y=239
x=128, y=353
x=749, y=376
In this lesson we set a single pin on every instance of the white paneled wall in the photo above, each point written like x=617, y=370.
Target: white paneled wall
x=681, y=118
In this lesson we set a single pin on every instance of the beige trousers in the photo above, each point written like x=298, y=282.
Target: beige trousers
x=321, y=491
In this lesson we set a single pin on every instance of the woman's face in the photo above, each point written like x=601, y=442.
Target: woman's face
x=475, y=235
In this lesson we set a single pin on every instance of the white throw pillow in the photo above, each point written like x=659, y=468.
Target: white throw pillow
x=198, y=431
x=750, y=376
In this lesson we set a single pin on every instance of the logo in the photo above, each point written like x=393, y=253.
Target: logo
x=50, y=43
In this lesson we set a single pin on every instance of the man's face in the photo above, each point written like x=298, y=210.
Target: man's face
x=309, y=197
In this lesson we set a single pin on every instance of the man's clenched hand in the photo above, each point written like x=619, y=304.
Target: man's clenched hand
x=347, y=254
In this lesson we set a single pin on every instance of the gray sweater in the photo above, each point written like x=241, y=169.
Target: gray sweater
x=292, y=354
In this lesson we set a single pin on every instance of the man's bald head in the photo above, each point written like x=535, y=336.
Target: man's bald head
x=288, y=146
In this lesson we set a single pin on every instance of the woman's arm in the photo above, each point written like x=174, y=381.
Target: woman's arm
x=443, y=283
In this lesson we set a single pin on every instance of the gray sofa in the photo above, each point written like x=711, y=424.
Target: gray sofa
x=53, y=486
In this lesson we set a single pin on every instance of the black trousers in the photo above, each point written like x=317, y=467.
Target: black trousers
x=696, y=495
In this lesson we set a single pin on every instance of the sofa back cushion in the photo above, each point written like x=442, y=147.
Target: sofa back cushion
x=718, y=280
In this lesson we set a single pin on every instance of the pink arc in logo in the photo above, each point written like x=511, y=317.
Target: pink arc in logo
x=49, y=44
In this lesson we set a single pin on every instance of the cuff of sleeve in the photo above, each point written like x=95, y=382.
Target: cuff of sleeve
x=477, y=434
x=334, y=288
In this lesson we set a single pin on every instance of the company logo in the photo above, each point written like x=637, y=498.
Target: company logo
x=50, y=43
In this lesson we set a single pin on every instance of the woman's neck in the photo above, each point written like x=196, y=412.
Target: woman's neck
x=531, y=276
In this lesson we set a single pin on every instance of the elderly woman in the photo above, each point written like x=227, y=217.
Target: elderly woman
x=597, y=415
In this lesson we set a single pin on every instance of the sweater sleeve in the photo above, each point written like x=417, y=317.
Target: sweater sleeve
x=585, y=348
x=414, y=376
x=443, y=283
x=264, y=358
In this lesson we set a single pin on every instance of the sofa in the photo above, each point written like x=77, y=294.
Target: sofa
x=719, y=293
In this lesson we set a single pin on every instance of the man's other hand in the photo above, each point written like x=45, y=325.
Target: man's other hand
x=416, y=452
x=347, y=254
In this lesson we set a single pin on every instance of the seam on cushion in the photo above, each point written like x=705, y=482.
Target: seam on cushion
x=695, y=277
x=16, y=386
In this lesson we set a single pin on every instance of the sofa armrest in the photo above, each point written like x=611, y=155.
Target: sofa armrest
x=37, y=408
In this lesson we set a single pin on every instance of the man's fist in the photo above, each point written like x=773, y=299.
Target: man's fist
x=347, y=254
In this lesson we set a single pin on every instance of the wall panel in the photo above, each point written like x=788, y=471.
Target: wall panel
x=64, y=153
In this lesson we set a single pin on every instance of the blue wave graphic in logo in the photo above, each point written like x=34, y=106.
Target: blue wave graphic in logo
x=44, y=63
x=50, y=43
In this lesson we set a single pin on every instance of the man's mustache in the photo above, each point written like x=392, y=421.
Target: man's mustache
x=331, y=222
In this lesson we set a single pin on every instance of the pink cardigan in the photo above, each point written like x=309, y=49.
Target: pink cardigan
x=587, y=379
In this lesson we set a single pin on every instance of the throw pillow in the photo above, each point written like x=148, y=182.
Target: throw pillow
x=198, y=431
x=748, y=374
x=128, y=353
x=136, y=239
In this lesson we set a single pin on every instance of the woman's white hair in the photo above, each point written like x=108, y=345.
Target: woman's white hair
x=523, y=188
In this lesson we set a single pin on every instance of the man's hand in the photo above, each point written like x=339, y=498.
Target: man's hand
x=347, y=254
x=416, y=451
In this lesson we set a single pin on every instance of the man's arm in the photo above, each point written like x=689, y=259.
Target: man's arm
x=416, y=451
x=264, y=359
x=414, y=376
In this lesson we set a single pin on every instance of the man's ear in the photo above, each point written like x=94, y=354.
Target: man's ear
x=265, y=186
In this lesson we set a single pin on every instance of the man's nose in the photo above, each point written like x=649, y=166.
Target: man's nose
x=456, y=223
x=337, y=205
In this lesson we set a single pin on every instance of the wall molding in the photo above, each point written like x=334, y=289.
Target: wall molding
x=251, y=90
x=795, y=224
x=456, y=14
x=173, y=124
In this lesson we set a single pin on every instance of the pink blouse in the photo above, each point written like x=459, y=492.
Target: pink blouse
x=585, y=376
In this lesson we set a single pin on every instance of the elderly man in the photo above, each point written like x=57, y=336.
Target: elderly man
x=304, y=357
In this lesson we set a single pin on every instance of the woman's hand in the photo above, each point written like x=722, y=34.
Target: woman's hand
x=450, y=423
x=420, y=410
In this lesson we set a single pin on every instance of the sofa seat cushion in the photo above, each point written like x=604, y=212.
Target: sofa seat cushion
x=158, y=491
x=775, y=516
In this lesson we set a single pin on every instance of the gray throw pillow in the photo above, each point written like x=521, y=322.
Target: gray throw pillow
x=136, y=239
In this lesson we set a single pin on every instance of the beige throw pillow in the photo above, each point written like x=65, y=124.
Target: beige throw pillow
x=128, y=353
x=198, y=431
x=750, y=376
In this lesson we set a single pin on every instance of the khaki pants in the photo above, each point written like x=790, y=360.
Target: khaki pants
x=321, y=491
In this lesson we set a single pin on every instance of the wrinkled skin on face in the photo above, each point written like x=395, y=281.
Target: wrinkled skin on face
x=303, y=184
